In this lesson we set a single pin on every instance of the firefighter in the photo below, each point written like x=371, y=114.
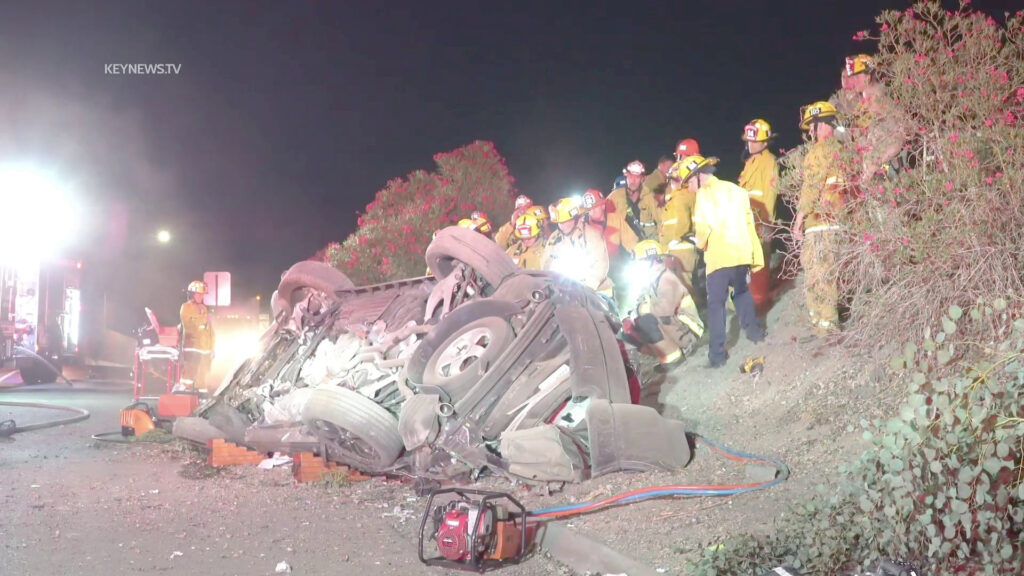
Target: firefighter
x=541, y=214
x=815, y=224
x=197, y=338
x=478, y=222
x=881, y=130
x=504, y=237
x=627, y=199
x=620, y=238
x=685, y=148
x=528, y=249
x=759, y=177
x=577, y=249
x=657, y=182
x=665, y=319
x=724, y=230
x=653, y=198
x=677, y=224
x=600, y=212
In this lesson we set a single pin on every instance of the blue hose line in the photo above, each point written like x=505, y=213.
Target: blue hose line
x=779, y=465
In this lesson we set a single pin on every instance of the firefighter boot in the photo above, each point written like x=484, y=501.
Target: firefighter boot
x=669, y=355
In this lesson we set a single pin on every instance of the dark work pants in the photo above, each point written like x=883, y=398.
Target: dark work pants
x=719, y=282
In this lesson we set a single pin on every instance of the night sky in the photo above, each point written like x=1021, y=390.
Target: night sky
x=287, y=117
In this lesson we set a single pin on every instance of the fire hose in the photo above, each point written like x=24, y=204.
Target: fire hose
x=47, y=363
x=670, y=490
x=482, y=530
x=8, y=427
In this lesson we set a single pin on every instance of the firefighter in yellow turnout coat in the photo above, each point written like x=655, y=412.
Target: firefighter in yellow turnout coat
x=815, y=222
x=666, y=317
x=577, y=249
x=197, y=337
x=759, y=176
x=528, y=249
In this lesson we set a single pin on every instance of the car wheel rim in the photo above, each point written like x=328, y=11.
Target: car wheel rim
x=463, y=352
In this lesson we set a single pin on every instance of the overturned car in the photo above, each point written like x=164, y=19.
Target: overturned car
x=482, y=367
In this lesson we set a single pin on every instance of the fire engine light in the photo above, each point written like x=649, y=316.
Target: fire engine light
x=41, y=215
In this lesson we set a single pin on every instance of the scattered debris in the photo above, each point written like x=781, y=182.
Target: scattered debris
x=176, y=554
x=282, y=568
x=277, y=459
x=400, y=513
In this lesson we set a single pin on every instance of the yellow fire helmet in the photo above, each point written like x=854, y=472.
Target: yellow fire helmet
x=816, y=112
x=858, y=64
x=687, y=167
x=197, y=287
x=647, y=249
x=478, y=222
x=564, y=210
x=526, y=227
x=758, y=130
x=538, y=212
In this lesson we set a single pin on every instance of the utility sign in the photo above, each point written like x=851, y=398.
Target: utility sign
x=218, y=289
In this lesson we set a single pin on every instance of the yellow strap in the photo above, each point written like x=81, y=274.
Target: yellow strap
x=672, y=357
x=694, y=326
x=756, y=193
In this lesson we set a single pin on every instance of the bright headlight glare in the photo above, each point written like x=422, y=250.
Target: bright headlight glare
x=40, y=217
x=639, y=273
x=572, y=263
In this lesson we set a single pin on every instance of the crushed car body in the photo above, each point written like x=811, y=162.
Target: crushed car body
x=482, y=367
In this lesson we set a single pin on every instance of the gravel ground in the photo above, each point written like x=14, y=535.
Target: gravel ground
x=75, y=506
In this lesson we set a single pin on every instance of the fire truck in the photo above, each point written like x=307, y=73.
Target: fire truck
x=40, y=317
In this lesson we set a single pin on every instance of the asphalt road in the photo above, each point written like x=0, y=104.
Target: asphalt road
x=72, y=506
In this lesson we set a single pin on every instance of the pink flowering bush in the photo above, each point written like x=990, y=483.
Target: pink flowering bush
x=397, y=226
x=949, y=229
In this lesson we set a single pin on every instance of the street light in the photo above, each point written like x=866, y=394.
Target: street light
x=163, y=236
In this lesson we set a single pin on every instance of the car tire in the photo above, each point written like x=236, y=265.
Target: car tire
x=490, y=315
x=358, y=431
x=455, y=366
x=309, y=274
x=454, y=244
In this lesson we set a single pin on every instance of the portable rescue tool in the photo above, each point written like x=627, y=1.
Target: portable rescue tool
x=475, y=530
x=136, y=419
x=753, y=366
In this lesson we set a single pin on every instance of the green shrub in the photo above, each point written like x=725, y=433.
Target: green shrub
x=941, y=484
